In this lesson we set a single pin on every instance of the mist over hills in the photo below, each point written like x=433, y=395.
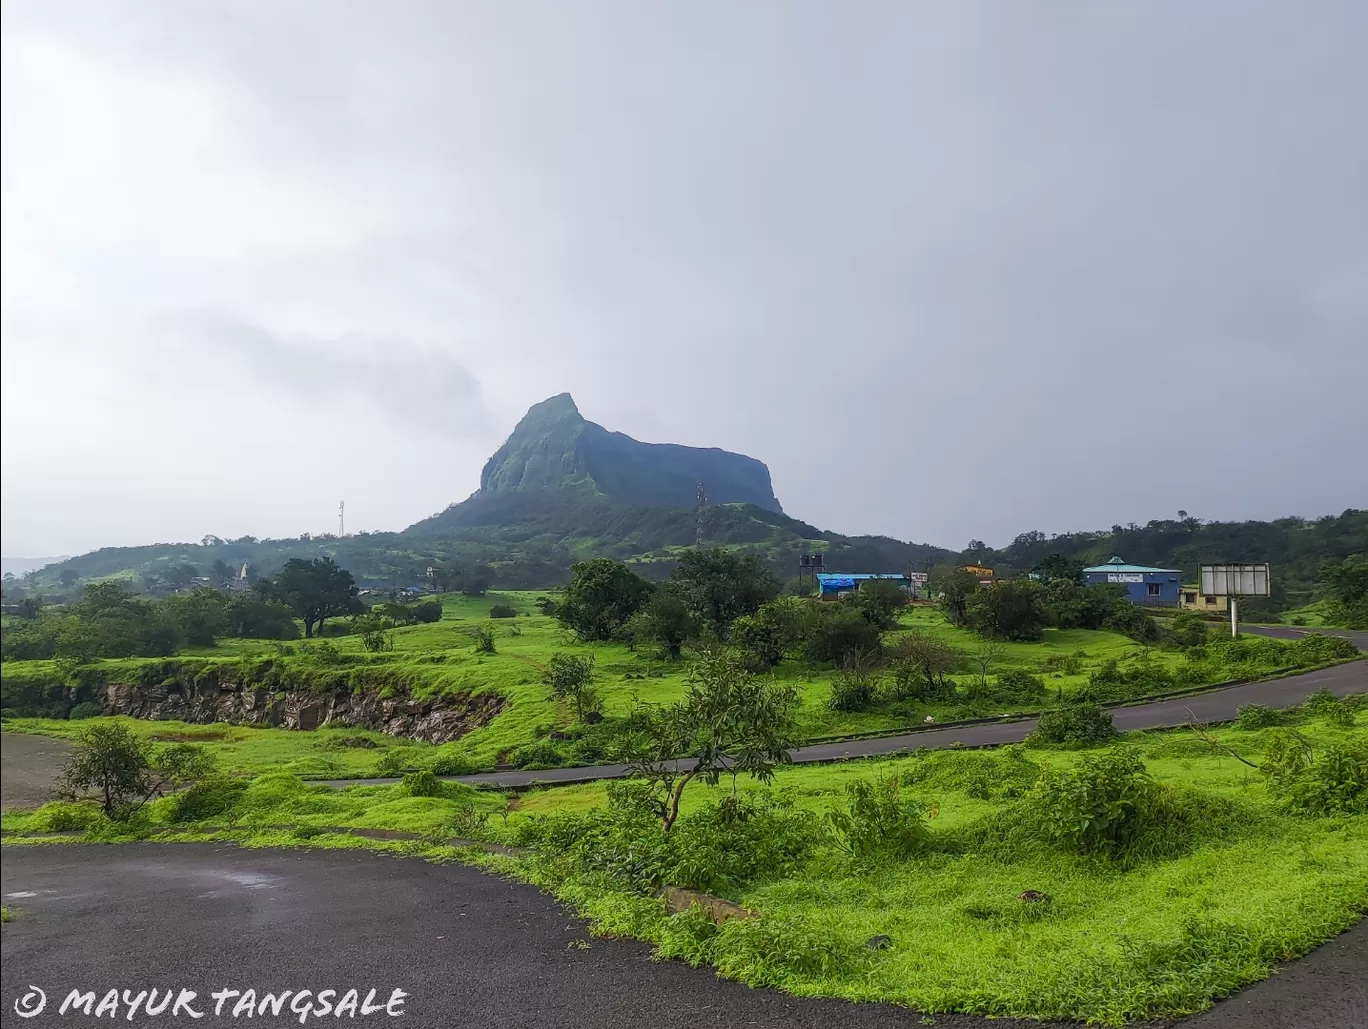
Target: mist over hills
x=561, y=489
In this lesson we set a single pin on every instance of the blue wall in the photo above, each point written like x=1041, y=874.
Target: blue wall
x=1139, y=592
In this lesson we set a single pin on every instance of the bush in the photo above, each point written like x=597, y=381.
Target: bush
x=878, y=819
x=422, y=783
x=1015, y=686
x=1097, y=808
x=1188, y=630
x=1130, y=621
x=1012, y=609
x=839, y=632
x=1257, y=716
x=503, y=611
x=1333, y=782
x=1078, y=722
x=452, y=764
x=543, y=754
x=86, y=709
x=855, y=688
x=393, y=763
x=484, y=639
x=207, y=798
x=64, y=816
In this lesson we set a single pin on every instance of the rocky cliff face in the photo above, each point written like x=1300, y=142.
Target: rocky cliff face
x=436, y=721
x=554, y=448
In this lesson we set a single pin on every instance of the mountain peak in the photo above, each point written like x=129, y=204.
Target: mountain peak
x=553, y=447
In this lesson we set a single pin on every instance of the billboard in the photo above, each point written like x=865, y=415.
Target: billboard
x=1125, y=577
x=1235, y=580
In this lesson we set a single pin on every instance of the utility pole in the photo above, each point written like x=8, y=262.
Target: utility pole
x=341, y=518
x=702, y=507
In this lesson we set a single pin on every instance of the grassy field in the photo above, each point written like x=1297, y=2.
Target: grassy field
x=439, y=658
x=1236, y=885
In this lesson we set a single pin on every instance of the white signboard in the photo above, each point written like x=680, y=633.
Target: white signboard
x=919, y=578
x=1235, y=580
x=1125, y=577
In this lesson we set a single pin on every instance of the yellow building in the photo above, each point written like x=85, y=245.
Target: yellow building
x=1191, y=598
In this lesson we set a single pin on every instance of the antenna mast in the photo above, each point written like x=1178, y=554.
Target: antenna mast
x=341, y=518
x=702, y=507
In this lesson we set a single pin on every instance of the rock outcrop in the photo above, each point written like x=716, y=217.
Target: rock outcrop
x=437, y=720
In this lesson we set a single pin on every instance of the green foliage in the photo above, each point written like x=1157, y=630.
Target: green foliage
x=1099, y=807
x=1078, y=723
x=1071, y=605
x=542, y=754
x=920, y=662
x=201, y=616
x=666, y=622
x=1010, y=609
x=483, y=637
x=123, y=772
x=1345, y=584
x=208, y=798
x=1186, y=629
x=86, y=709
x=65, y=816
x=422, y=783
x=777, y=629
x=879, y=820
x=1129, y=620
x=855, y=687
x=1251, y=717
x=248, y=615
x=839, y=633
x=956, y=589
x=1333, y=781
x=880, y=601
x=719, y=586
x=1014, y=686
x=426, y=612
x=315, y=590
x=571, y=676
x=601, y=596
x=503, y=611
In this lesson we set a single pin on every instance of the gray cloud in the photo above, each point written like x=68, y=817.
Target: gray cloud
x=952, y=270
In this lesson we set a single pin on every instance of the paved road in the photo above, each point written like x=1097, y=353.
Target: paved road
x=1216, y=706
x=470, y=949
x=473, y=951
x=1289, y=632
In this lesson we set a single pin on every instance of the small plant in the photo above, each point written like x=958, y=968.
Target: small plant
x=1332, y=782
x=854, y=688
x=1079, y=722
x=1098, y=807
x=484, y=639
x=392, y=763
x=375, y=641
x=422, y=783
x=469, y=822
x=878, y=819
x=571, y=676
x=503, y=611
x=1257, y=716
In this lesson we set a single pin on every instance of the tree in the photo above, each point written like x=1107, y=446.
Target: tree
x=955, y=587
x=840, y=633
x=1345, y=583
x=1058, y=567
x=69, y=577
x=1071, y=606
x=918, y=657
x=719, y=586
x=777, y=629
x=987, y=654
x=730, y=722
x=601, y=596
x=123, y=772
x=315, y=591
x=880, y=601
x=666, y=621
x=250, y=616
x=571, y=676
x=1008, y=610
x=200, y=616
x=221, y=571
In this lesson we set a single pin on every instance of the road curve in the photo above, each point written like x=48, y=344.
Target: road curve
x=470, y=949
x=1291, y=632
x=1215, y=706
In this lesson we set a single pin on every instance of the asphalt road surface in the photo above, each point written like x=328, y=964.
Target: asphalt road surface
x=469, y=949
x=1215, y=706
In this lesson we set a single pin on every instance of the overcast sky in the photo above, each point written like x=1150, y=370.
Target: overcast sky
x=952, y=270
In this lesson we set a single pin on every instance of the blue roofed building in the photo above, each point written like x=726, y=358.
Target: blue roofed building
x=1145, y=586
x=834, y=584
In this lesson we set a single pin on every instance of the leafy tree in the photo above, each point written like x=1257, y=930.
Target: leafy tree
x=765, y=638
x=1057, y=567
x=114, y=766
x=69, y=577
x=178, y=577
x=665, y=621
x=249, y=616
x=920, y=663
x=315, y=591
x=719, y=586
x=200, y=616
x=880, y=601
x=601, y=596
x=956, y=588
x=1346, y=584
x=840, y=632
x=730, y=722
x=1071, y=606
x=221, y=572
x=572, y=676
x=1188, y=630
x=1008, y=610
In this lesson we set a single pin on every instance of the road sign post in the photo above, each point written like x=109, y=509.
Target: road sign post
x=1234, y=581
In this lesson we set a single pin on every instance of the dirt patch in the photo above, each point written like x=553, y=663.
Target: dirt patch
x=28, y=767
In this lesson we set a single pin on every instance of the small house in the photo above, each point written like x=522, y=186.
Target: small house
x=1192, y=598
x=1145, y=586
x=838, y=584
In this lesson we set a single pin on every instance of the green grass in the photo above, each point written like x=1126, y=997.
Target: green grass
x=1159, y=939
x=438, y=659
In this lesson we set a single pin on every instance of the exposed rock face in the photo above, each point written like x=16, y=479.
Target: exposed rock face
x=433, y=720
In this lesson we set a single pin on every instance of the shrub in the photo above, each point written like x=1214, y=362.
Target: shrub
x=426, y=611
x=1333, y=782
x=86, y=709
x=839, y=632
x=1015, y=686
x=878, y=819
x=1188, y=630
x=1012, y=609
x=1316, y=648
x=210, y=796
x=1257, y=716
x=1078, y=722
x=484, y=639
x=739, y=840
x=452, y=764
x=393, y=762
x=854, y=688
x=422, y=783
x=503, y=611
x=64, y=816
x=1066, y=664
x=920, y=663
x=1098, y=807
x=542, y=754
x=1130, y=621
